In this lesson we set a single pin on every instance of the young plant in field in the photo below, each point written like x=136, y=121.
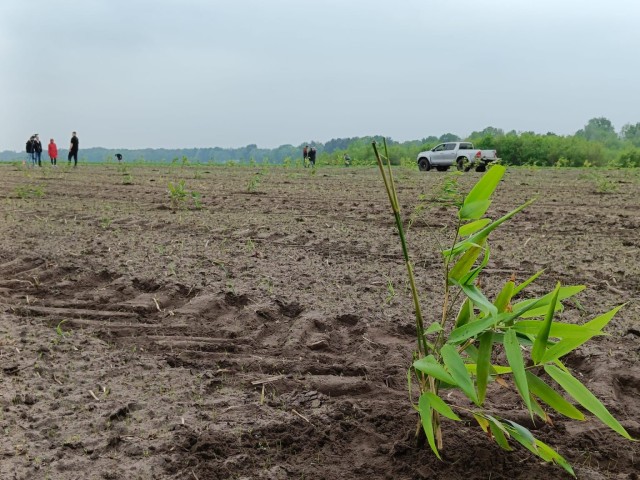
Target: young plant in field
x=179, y=194
x=460, y=350
x=254, y=181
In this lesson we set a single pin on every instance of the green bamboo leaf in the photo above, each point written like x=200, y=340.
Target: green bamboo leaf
x=440, y=406
x=424, y=407
x=540, y=343
x=499, y=434
x=474, y=210
x=472, y=368
x=464, y=263
x=514, y=356
x=485, y=187
x=537, y=409
x=584, y=397
x=469, y=330
x=473, y=227
x=465, y=314
x=478, y=298
x=470, y=277
x=542, y=311
x=433, y=328
x=565, y=292
x=526, y=283
x=430, y=366
x=568, y=345
x=481, y=235
x=558, y=329
x=552, y=398
x=484, y=364
x=550, y=455
x=522, y=434
x=504, y=297
x=455, y=365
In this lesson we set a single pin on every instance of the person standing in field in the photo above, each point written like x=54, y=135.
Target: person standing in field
x=37, y=150
x=312, y=157
x=53, y=152
x=73, y=149
x=29, y=148
x=305, y=155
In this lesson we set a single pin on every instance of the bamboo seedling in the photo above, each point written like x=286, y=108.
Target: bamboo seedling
x=459, y=349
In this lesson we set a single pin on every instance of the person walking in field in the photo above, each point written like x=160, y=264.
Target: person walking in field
x=53, y=152
x=37, y=150
x=73, y=149
x=305, y=155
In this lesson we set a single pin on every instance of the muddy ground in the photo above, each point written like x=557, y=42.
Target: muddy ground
x=267, y=334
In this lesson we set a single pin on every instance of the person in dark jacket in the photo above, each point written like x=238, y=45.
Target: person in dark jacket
x=312, y=157
x=37, y=150
x=74, y=146
x=305, y=155
x=29, y=149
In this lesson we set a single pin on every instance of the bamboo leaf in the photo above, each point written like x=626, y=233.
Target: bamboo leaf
x=504, y=297
x=567, y=345
x=485, y=187
x=465, y=314
x=558, y=329
x=601, y=321
x=474, y=210
x=540, y=343
x=458, y=371
x=469, y=330
x=584, y=397
x=514, y=356
x=565, y=292
x=464, y=263
x=473, y=227
x=523, y=435
x=526, y=283
x=550, y=454
x=478, y=298
x=470, y=277
x=430, y=366
x=424, y=407
x=484, y=364
x=499, y=433
x=552, y=398
x=440, y=406
x=433, y=328
x=481, y=235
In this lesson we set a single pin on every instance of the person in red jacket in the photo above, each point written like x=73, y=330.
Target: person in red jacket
x=53, y=153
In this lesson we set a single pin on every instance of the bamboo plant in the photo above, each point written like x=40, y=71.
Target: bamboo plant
x=462, y=348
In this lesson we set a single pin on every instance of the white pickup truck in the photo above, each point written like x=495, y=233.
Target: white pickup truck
x=460, y=154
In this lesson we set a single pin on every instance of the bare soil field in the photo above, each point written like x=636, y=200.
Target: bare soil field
x=267, y=335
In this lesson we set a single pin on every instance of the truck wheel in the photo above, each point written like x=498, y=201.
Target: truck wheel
x=463, y=164
x=424, y=165
x=481, y=168
x=442, y=168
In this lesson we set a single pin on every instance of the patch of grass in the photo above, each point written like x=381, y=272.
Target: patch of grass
x=29, y=191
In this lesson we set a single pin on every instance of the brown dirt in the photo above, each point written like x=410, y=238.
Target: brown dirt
x=258, y=337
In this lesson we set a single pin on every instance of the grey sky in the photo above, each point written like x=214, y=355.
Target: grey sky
x=198, y=73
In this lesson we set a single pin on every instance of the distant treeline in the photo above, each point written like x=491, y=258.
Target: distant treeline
x=597, y=144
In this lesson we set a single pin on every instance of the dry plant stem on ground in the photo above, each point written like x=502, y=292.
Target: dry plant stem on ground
x=462, y=351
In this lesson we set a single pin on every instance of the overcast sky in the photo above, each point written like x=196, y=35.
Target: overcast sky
x=204, y=73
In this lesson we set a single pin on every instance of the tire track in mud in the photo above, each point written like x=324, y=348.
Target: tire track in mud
x=191, y=328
